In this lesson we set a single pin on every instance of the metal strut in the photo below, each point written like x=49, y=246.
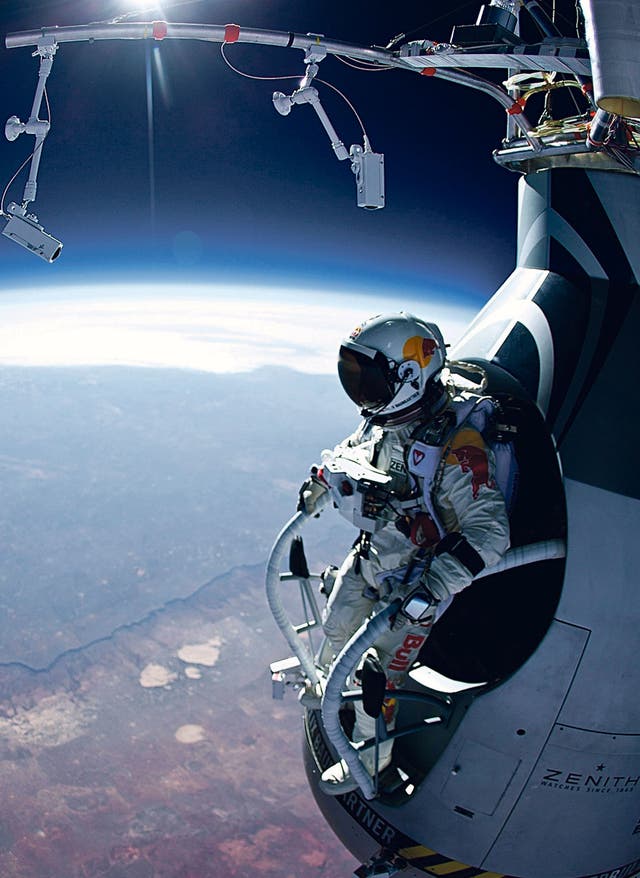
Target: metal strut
x=278, y=553
x=13, y=128
x=23, y=227
x=367, y=165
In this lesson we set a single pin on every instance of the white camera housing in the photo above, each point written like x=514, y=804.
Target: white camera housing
x=368, y=167
x=25, y=230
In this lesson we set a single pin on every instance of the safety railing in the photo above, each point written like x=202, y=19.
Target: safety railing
x=290, y=632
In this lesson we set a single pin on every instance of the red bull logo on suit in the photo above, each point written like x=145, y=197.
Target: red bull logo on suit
x=469, y=451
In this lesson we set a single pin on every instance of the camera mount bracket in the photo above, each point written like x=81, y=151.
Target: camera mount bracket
x=13, y=128
x=23, y=227
x=368, y=166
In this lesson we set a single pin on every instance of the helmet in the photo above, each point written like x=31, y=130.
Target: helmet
x=391, y=363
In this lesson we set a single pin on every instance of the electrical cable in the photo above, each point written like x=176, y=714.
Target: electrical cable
x=348, y=102
x=577, y=20
x=472, y=75
x=251, y=75
x=7, y=187
x=555, y=14
x=469, y=50
x=269, y=78
x=632, y=135
x=619, y=156
x=573, y=98
x=365, y=68
x=616, y=151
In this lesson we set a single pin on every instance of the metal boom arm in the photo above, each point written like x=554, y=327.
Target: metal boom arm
x=413, y=57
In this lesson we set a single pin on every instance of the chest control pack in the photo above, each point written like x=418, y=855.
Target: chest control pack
x=359, y=490
x=365, y=495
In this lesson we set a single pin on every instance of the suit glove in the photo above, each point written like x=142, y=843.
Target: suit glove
x=310, y=492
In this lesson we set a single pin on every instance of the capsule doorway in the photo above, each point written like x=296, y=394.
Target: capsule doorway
x=495, y=624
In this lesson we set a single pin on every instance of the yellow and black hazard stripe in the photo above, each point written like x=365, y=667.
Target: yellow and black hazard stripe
x=433, y=863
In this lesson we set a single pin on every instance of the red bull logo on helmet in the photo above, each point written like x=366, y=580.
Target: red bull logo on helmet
x=469, y=451
x=419, y=349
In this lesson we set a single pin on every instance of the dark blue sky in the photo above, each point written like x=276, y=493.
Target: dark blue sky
x=264, y=195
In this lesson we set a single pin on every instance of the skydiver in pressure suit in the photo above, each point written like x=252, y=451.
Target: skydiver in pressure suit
x=437, y=515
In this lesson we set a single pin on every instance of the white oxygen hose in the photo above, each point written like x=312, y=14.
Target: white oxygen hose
x=347, y=659
x=372, y=629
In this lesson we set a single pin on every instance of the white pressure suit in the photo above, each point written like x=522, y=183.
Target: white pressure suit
x=441, y=530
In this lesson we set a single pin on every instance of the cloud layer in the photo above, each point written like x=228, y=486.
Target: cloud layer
x=205, y=327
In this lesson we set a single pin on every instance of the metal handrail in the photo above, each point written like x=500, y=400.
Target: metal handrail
x=279, y=551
